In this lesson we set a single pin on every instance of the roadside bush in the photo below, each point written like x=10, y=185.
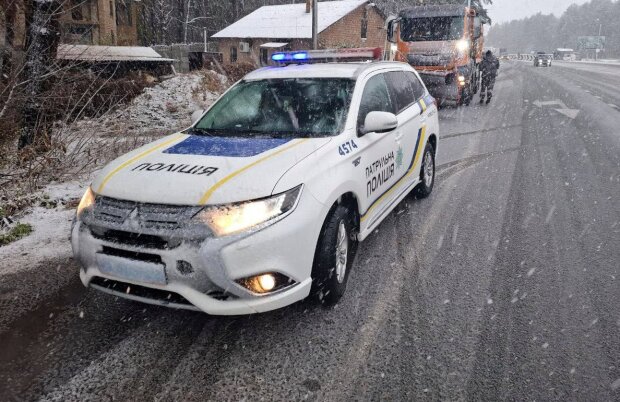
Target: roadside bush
x=235, y=71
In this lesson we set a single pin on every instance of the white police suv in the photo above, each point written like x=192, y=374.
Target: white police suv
x=263, y=201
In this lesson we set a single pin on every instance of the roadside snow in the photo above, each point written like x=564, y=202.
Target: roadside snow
x=168, y=105
x=159, y=110
x=51, y=227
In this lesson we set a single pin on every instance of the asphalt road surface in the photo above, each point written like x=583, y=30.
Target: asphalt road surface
x=503, y=285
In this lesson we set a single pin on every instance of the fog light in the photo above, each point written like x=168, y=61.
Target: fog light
x=461, y=80
x=265, y=283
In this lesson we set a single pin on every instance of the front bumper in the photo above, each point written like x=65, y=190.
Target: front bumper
x=442, y=85
x=159, y=275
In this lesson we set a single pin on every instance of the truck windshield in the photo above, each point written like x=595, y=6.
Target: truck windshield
x=432, y=29
x=308, y=107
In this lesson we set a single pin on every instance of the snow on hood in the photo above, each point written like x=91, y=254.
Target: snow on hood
x=186, y=169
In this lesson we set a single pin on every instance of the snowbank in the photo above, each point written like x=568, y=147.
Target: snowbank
x=159, y=110
x=170, y=104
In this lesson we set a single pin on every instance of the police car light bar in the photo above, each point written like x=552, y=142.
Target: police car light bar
x=329, y=55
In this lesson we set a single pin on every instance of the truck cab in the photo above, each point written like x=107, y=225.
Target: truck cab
x=444, y=44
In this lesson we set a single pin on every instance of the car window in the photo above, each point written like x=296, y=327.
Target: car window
x=405, y=88
x=280, y=108
x=375, y=98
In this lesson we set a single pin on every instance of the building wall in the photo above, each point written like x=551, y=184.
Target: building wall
x=347, y=32
x=344, y=33
x=253, y=57
x=100, y=18
x=127, y=31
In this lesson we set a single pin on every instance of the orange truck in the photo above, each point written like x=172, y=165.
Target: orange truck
x=444, y=43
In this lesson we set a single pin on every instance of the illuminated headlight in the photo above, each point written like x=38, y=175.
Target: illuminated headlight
x=462, y=46
x=86, y=203
x=234, y=218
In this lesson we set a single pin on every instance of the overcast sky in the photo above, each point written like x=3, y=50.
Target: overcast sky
x=507, y=10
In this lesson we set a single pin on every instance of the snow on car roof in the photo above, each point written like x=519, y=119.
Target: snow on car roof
x=320, y=70
x=288, y=21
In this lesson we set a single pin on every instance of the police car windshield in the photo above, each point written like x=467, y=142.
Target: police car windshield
x=432, y=29
x=308, y=107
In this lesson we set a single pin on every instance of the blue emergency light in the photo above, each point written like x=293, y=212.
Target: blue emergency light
x=329, y=55
x=297, y=56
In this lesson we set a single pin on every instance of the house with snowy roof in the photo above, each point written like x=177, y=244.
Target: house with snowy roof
x=341, y=24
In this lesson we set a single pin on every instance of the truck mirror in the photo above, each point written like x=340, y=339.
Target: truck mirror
x=391, y=31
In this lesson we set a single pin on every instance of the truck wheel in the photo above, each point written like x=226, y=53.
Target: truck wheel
x=334, y=256
x=427, y=173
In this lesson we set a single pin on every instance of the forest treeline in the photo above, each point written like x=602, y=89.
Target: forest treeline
x=548, y=32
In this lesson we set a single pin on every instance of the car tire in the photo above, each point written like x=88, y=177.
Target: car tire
x=427, y=173
x=334, y=256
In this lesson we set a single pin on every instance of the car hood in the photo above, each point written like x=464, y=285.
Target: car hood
x=184, y=169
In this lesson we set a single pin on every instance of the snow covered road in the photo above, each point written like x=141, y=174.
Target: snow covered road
x=503, y=285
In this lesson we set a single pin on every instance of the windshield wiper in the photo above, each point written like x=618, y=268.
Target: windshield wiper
x=198, y=131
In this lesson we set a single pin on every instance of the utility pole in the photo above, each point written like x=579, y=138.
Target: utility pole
x=315, y=24
x=600, y=30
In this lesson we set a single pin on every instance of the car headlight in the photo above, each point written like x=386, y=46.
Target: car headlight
x=234, y=218
x=86, y=203
x=462, y=46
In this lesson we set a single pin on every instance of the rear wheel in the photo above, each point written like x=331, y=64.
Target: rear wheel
x=427, y=173
x=334, y=256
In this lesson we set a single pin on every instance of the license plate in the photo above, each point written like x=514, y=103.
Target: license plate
x=131, y=270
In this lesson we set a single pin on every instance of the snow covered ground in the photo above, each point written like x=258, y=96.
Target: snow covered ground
x=51, y=227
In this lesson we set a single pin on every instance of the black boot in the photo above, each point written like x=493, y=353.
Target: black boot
x=488, y=100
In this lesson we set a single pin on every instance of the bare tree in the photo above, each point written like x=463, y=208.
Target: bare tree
x=43, y=37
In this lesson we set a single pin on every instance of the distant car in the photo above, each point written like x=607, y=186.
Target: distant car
x=262, y=202
x=542, y=60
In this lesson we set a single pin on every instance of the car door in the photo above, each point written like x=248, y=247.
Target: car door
x=406, y=91
x=377, y=164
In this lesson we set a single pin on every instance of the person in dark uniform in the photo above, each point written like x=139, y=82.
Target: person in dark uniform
x=489, y=68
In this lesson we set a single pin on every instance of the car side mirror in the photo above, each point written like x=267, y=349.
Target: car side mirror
x=379, y=122
x=196, y=116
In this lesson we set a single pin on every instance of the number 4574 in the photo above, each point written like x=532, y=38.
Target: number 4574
x=347, y=148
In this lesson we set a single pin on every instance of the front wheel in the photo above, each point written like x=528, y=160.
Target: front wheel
x=427, y=173
x=334, y=256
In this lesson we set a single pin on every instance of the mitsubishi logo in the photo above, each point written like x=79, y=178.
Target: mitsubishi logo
x=132, y=219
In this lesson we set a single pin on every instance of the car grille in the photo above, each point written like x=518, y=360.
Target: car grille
x=148, y=216
x=132, y=239
x=429, y=59
x=161, y=296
